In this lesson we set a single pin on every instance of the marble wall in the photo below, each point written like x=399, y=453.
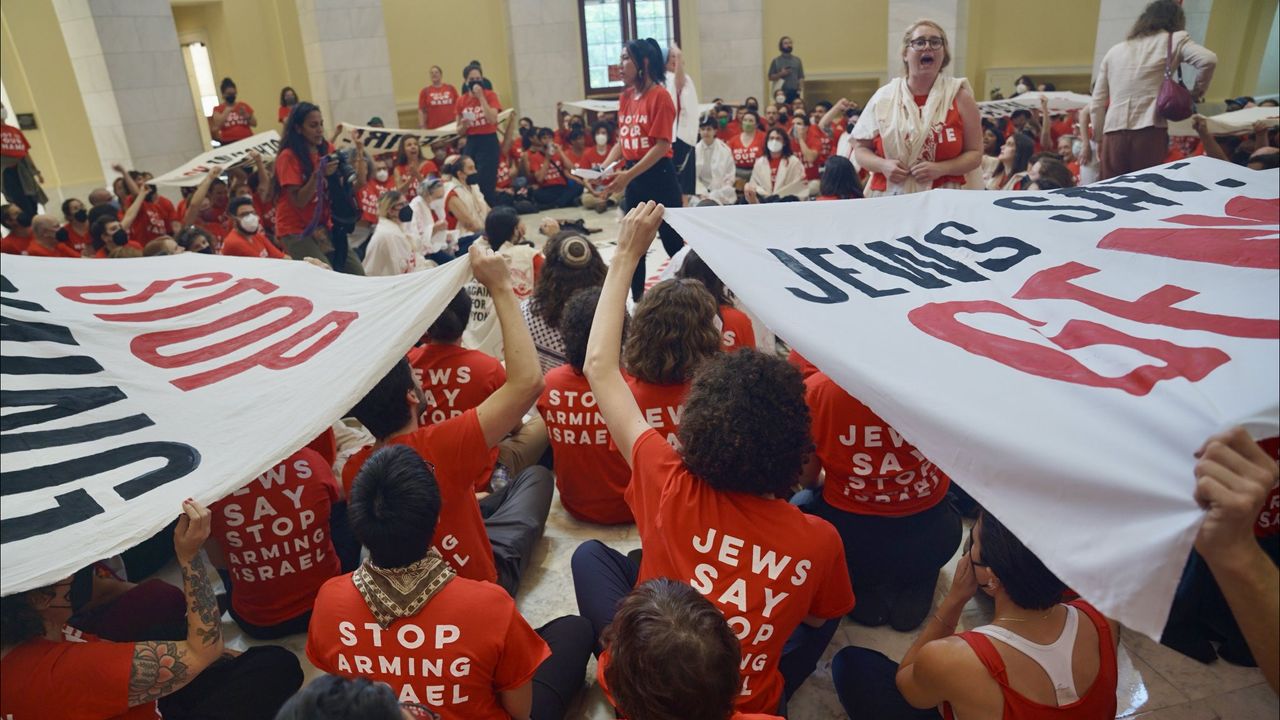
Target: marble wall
x=952, y=15
x=130, y=73
x=345, y=44
x=733, y=61
x=546, y=71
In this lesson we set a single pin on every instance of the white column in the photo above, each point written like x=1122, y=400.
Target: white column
x=130, y=72
x=345, y=43
x=952, y=15
x=545, y=72
x=730, y=33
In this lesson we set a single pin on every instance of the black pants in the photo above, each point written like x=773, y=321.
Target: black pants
x=251, y=686
x=147, y=557
x=484, y=150
x=557, y=196
x=561, y=676
x=514, y=520
x=12, y=184
x=603, y=576
x=865, y=683
x=338, y=237
x=658, y=183
x=685, y=160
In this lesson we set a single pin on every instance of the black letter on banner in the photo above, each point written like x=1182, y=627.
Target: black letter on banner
x=1021, y=250
x=1116, y=196
x=378, y=139
x=181, y=460
x=73, y=507
x=814, y=255
x=65, y=402
x=70, y=365
x=6, y=286
x=911, y=267
x=832, y=294
x=1163, y=181
x=14, y=330
x=1021, y=203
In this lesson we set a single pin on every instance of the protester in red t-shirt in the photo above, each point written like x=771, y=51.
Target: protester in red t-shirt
x=673, y=332
x=274, y=541
x=799, y=362
x=231, y=120
x=453, y=378
x=44, y=240
x=663, y=619
x=21, y=180
x=437, y=102
x=879, y=492
x=715, y=514
x=18, y=222
x=288, y=99
x=53, y=670
x=246, y=239
x=411, y=167
x=590, y=473
x=477, y=110
x=206, y=208
x=405, y=617
x=156, y=216
x=76, y=226
x=747, y=146
x=736, y=329
x=548, y=165
x=107, y=233
x=463, y=449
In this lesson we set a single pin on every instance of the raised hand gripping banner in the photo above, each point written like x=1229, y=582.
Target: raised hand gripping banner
x=229, y=155
x=1061, y=355
x=131, y=385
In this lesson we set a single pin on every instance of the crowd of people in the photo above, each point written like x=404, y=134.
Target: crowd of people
x=770, y=503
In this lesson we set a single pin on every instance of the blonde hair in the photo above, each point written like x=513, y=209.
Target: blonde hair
x=385, y=201
x=906, y=42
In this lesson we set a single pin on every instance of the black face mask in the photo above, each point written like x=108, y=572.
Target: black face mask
x=120, y=237
x=231, y=98
x=472, y=180
x=24, y=219
x=80, y=215
x=406, y=214
x=472, y=83
x=151, y=195
x=62, y=235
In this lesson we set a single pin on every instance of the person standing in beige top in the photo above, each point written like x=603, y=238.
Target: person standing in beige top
x=1135, y=137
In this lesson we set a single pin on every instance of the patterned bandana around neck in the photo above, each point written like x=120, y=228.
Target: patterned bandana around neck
x=400, y=592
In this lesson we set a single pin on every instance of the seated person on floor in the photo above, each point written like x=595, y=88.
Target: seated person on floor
x=505, y=233
x=330, y=697
x=736, y=329
x=406, y=618
x=1039, y=657
x=591, y=474
x=53, y=670
x=714, y=512
x=571, y=263
x=463, y=450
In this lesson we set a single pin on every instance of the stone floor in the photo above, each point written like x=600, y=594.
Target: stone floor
x=1155, y=683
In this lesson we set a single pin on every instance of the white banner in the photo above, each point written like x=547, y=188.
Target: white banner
x=1061, y=354
x=604, y=106
x=132, y=385
x=1059, y=101
x=379, y=140
x=1229, y=123
x=229, y=155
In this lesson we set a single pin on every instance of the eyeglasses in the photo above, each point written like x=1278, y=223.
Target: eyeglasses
x=933, y=43
x=968, y=551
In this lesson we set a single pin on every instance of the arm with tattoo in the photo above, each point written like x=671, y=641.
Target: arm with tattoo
x=161, y=668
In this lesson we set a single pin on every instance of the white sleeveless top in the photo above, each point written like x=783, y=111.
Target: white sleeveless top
x=1054, y=659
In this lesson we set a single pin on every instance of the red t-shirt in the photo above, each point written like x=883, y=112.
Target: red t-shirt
x=256, y=246
x=590, y=472
x=466, y=645
x=1268, y=522
x=947, y=143
x=463, y=462
x=35, y=249
x=1065, y=126
x=283, y=113
x=744, y=156
x=737, y=331
x=871, y=469
x=645, y=120
x=454, y=379
x=800, y=363
x=275, y=535
x=79, y=678
x=291, y=220
x=14, y=244
x=425, y=168
x=153, y=220
x=75, y=239
x=733, y=127
x=368, y=197
x=236, y=126
x=471, y=116
x=504, y=173
x=662, y=405
x=765, y=564
x=439, y=104
x=12, y=142
x=593, y=156
x=553, y=178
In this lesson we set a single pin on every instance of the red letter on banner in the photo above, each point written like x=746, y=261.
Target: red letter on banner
x=939, y=320
x=146, y=347
x=1228, y=241
x=1156, y=307
x=77, y=294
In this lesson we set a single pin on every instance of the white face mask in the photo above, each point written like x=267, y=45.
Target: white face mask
x=380, y=176
x=249, y=223
x=1077, y=147
x=779, y=99
x=1021, y=88
x=775, y=146
x=602, y=139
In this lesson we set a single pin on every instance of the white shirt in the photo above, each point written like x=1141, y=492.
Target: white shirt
x=715, y=172
x=686, y=125
x=392, y=250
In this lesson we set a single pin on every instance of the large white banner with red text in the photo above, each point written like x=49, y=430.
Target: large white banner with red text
x=130, y=385
x=1061, y=354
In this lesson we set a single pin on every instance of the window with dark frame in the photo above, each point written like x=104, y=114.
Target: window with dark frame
x=608, y=25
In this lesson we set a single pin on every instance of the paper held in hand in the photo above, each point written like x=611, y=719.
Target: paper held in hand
x=589, y=174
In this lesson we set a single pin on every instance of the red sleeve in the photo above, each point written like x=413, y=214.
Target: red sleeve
x=523, y=650
x=492, y=97
x=459, y=451
x=326, y=444
x=273, y=251
x=422, y=99
x=649, y=454
x=248, y=108
x=537, y=267
x=834, y=598
x=283, y=113
x=233, y=245
x=664, y=116
x=288, y=169
x=95, y=673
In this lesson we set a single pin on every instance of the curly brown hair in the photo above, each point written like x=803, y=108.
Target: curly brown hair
x=659, y=621
x=572, y=263
x=746, y=425
x=1159, y=16
x=673, y=331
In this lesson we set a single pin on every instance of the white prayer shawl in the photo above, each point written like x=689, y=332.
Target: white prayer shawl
x=789, y=179
x=715, y=172
x=905, y=128
x=424, y=220
x=392, y=250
